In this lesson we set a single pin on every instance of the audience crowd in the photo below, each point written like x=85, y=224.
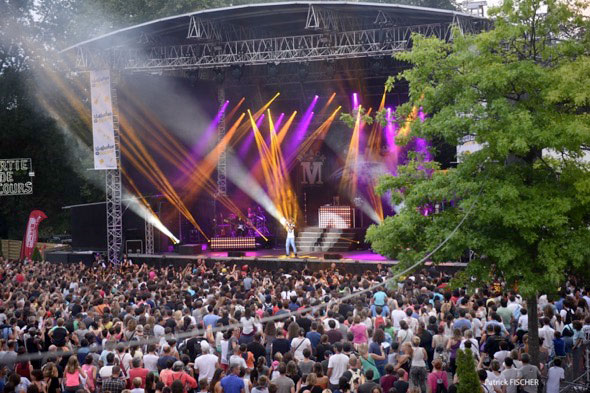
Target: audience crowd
x=219, y=329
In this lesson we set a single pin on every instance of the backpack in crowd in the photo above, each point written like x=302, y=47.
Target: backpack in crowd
x=440, y=385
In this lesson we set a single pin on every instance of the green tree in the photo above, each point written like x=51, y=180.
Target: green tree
x=522, y=90
x=466, y=372
x=36, y=255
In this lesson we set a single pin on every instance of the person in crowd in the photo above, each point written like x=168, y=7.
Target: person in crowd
x=73, y=375
x=232, y=383
x=115, y=383
x=438, y=378
x=554, y=376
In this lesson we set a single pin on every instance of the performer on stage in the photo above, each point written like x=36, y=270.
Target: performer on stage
x=290, y=242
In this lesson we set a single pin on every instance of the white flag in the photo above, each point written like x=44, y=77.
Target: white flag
x=103, y=130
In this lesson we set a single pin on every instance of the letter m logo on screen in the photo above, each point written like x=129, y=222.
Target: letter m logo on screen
x=312, y=172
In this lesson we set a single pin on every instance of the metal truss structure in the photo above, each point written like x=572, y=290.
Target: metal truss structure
x=332, y=36
x=114, y=189
x=207, y=30
x=149, y=237
x=222, y=161
x=326, y=20
x=289, y=49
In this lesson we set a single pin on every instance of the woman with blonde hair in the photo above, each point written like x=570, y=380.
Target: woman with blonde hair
x=74, y=376
x=130, y=329
x=418, y=372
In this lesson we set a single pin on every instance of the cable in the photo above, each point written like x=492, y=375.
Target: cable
x=201, y=332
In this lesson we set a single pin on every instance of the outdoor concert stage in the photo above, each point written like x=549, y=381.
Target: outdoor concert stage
x=229, y=124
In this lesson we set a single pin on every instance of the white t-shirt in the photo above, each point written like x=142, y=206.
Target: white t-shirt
x=150, y=362
x=554, y=375
x=237, y=359
x=523, y=322
x=500, y=356
x=159, y=330
x=298, y=344
x=476, y=325
x=493, y=381
x=339, y=364
x=124, y=362
x=290, y=232
x=397, y=315
x=509, y=377
x=474, y=346
x=327, y=323
x=548, y=335
x=206, y=366
x=105, y=372
x=247, y=325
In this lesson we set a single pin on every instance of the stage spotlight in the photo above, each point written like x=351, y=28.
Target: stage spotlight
x=142, y=211
x=219, y=75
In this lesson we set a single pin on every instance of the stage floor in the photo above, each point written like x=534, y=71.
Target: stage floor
x=365, y=256
x=269, y=259
x=274, y=258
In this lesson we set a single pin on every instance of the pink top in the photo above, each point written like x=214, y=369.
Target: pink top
x=436, y=375
x=89, y=379
x=360, y=333
x=72, y=379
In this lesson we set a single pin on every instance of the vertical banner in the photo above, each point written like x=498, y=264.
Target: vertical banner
x=31, y=233
x=103, y=130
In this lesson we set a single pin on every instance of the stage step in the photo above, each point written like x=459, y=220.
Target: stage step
x=315, y=239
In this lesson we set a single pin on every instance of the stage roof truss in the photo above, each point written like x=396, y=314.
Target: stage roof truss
x=324, y=19
x=288, y=49
x=208, y=30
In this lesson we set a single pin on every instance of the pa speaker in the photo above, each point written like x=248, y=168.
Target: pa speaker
x=236, y=254
x=189, y=249
x=332, y=256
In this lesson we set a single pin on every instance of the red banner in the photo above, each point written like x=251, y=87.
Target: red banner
x=32, y=233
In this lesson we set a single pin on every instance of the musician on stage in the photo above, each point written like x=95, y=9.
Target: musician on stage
x=290, y=242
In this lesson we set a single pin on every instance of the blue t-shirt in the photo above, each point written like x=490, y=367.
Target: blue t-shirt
x=376, y=349
x=559, y=345
x=462, y=324
x=379, y=298
x=314, y=337
x=210, y=320
x=232, y=384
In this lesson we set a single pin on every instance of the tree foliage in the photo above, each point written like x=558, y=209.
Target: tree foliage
x=466, y=372
x=521, y=90
x=36, y=256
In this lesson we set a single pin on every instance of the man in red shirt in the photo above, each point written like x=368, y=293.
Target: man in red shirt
x=178, y=374
x=137, y=371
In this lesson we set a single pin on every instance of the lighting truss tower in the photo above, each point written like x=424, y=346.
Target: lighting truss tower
x=149, y=237
x=222, y=162
x=113, y=190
